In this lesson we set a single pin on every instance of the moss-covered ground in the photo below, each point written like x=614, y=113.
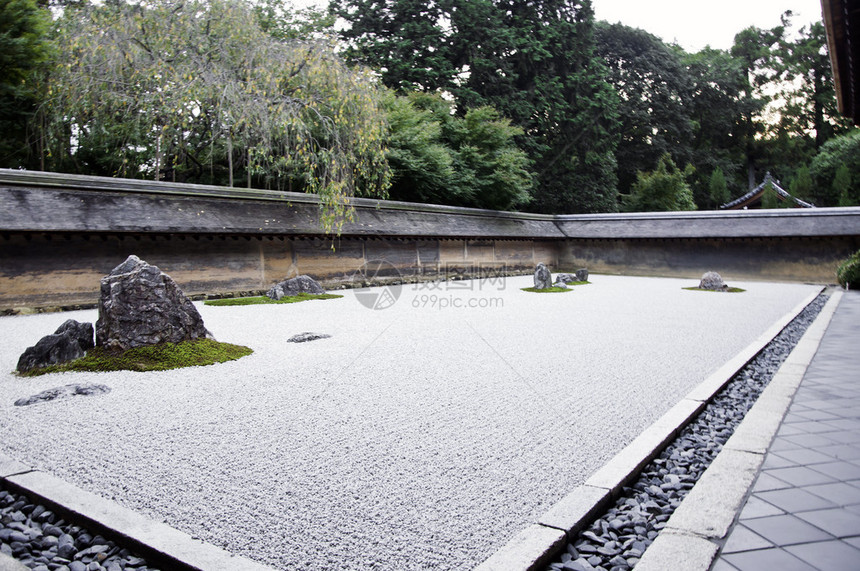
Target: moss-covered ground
x=262, y=299
x=729, y=290
x=159, y=357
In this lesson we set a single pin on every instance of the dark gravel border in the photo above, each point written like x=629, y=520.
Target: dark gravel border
x=617, y=540
x=43, y=541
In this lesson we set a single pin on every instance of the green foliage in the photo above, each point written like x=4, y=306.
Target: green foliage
x=533, y=62
x=439, y=158
x=717, y=108
x=664, y=189
x=848, y=272
x=404, y=40
x=717, y=188
x=769, y=198
x=197, y=91
x=263, y=300
x=842, y=187
x=801, y=185
x=161, y=357
x=283, y=22
x=552, y=289
x=840, y=151
x=24, y=49
x=654, y=104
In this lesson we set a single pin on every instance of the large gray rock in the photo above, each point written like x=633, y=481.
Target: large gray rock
x=295, y=286
x=582, y=275
x=712, y=281
x=70, y=341
x=543, y=278
x=140, y=305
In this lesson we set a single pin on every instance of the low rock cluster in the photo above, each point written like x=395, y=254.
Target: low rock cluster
x=616, y=540
x=43, y=541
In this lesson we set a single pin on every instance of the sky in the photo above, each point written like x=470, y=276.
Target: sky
x=693, y=24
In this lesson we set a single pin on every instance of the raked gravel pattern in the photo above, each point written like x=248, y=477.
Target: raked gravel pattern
x=420, y=436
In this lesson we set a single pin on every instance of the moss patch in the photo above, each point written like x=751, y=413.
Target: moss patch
x=159, y=357
x=547, y=290
x=262, y=299
x=730, y=290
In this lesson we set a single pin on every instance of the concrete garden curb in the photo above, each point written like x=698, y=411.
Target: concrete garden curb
x=538, y=545
x=157, y=542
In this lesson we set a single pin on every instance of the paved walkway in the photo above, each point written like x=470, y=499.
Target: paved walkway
x=804, y=510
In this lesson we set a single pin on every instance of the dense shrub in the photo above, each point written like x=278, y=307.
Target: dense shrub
x=848, y=272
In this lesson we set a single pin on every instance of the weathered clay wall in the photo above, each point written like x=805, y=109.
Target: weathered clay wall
x=44, y=270
x=808, y=260
x=59, y=234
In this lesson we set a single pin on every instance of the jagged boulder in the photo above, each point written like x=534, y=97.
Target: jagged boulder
x=140, y=305
x=295, y=286
x=582, y=275
x=70, y=341
x=564, y=278
x=543, y=277
x=712, y=281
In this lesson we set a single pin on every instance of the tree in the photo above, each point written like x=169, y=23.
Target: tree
x=403, y=40
x=717, y=188
x=842, y=187
x=717, y=108
x=769, y=197
x=756, y=50
x=807, y=87
x=24, y=48
x=841, y=151
x=535, y=63
x=197, y=91
x=654, y=87
x=439, y=158
x=801, y=185
x=664, y=189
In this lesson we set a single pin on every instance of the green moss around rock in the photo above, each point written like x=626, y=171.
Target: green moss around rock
x=729, y=290
x=848, y=272
x=161, y=357
x=547, y=290
x=262, y=299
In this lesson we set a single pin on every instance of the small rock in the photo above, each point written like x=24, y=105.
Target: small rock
x=63, y=392
x=307, y=336
x=712, y=281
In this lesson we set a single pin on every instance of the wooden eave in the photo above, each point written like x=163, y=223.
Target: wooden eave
x=842, y=24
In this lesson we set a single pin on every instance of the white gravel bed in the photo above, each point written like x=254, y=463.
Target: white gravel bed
x=415, y=437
